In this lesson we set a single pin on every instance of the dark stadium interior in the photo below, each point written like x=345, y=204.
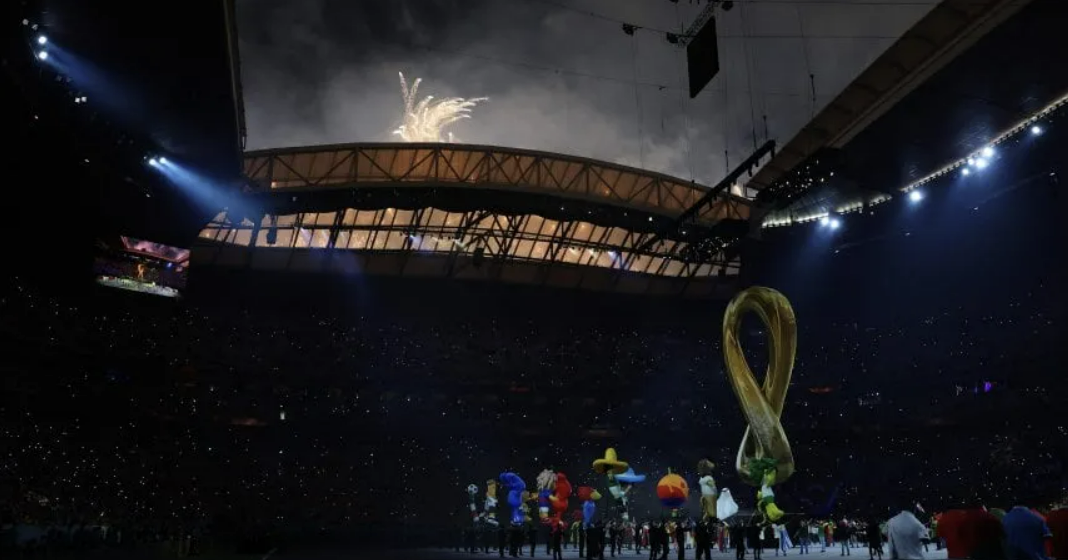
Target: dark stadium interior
x=301, y=412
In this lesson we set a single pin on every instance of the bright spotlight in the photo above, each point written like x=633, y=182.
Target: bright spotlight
x=966, y=172
x=981, y=163
x=42, y=55
x=163, y=160
x=971, y=161
x=153, y=162
x=824, y=221
x=915, y=196
x=988, y=152
x=42, y=40
x=834, y=223
x=1036, y=130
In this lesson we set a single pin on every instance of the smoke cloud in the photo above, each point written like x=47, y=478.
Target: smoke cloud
x=559, y=79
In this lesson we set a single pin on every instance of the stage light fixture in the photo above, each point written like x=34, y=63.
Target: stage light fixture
x=988, y=152
x=824, y=221
x=966, y=172
x=153, y=162
x=1036, y=130
x=915, y=196
x=42, y=55
x=981, y=163
x=163, y=160
x=42, y=40
x=834, y=223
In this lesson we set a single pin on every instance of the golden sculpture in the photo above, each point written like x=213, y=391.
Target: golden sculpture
x=764, y=456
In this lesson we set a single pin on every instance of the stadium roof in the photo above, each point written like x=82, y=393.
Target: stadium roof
x=963, y=76
x=367, y=165
x=450, y=209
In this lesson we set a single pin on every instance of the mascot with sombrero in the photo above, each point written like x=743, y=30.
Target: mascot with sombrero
x=628, y=480
x=611, y=467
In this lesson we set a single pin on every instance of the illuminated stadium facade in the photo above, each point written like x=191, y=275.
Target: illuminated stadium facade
x=479, y=212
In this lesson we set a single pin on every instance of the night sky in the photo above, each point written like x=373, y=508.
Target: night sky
x=561, y=76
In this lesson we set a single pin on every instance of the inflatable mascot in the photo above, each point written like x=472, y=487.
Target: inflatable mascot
x=708, y=489
x=726, y=507
x=611, y=467
x=588, y=496
x=546, y=482
x=628, y=480
x=472, y=493
x=516, y=488
x=559, y=499
x=489, y=507
x=764, y=469
x=673, y=492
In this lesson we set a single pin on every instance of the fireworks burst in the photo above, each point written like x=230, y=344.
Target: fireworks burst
x=424, y=121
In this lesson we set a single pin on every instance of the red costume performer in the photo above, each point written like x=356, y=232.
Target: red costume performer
x=1057, y=521
x=559, y=498
x=960, y=528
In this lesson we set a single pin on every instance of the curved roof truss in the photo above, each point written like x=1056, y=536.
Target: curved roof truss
x=485, y=167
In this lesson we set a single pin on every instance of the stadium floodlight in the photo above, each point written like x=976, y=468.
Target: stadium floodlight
x=915, y=196
x=1036, y=130
x=825, y=221
x=42, y=55
x=834, y=223
x=966, y=172
x=981, y=163
x=153, y=162
x=163, y=160
x=42, y=40
x=988, y=152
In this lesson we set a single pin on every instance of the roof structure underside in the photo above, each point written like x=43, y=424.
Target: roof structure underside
x=950, y=28
x=457, y=226
x=988, y=94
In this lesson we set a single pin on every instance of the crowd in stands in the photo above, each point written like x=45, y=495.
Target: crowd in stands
x=182, y=418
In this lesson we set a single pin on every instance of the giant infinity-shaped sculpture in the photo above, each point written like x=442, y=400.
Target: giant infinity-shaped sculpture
x=764, y=457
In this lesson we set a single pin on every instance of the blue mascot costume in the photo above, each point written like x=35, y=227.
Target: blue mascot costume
x=515, y=487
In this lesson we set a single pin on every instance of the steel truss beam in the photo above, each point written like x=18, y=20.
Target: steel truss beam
x=467, y=166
